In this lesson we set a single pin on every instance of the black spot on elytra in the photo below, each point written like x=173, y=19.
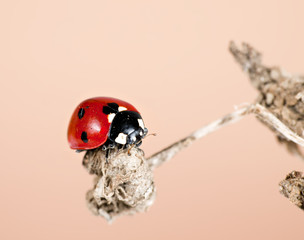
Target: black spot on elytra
x=84, y=137
x=81, y=113
x=106, y=110
x=111, y=108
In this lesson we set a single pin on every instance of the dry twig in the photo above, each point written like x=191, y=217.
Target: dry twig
x=261, y=112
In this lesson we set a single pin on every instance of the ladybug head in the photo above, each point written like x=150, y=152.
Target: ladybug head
x=127, y=128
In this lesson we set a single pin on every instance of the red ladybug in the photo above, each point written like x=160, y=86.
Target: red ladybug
x=106, y=122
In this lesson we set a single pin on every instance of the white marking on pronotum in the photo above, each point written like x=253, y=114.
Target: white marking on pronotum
x=141, y=123
x=111, y=117
x=121, y=109
x=121, y=138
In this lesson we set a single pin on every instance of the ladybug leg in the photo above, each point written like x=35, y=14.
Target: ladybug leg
x=129, y=150
x=138, y=144
x=107, y=155
x=107, y=146
x=79, y=151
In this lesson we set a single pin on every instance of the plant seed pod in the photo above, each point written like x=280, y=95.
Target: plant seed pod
x=123, y=185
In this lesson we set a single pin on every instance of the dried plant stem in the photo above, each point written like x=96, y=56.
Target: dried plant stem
x=262, y=113
x=275, y=123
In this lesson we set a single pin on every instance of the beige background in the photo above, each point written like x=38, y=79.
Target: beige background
x=170, y=59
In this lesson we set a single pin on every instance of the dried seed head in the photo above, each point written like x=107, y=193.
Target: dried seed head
x=293, y=188
x=279, y=92
x=123, y=185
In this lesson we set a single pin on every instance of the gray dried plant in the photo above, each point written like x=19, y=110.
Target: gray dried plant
x=124, y=181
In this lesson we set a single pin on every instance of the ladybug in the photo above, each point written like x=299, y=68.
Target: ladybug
x=105, y=122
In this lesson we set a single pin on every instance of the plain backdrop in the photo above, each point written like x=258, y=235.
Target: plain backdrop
x=169, y=59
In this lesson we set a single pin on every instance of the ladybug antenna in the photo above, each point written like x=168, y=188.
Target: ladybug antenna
x=151, y=134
